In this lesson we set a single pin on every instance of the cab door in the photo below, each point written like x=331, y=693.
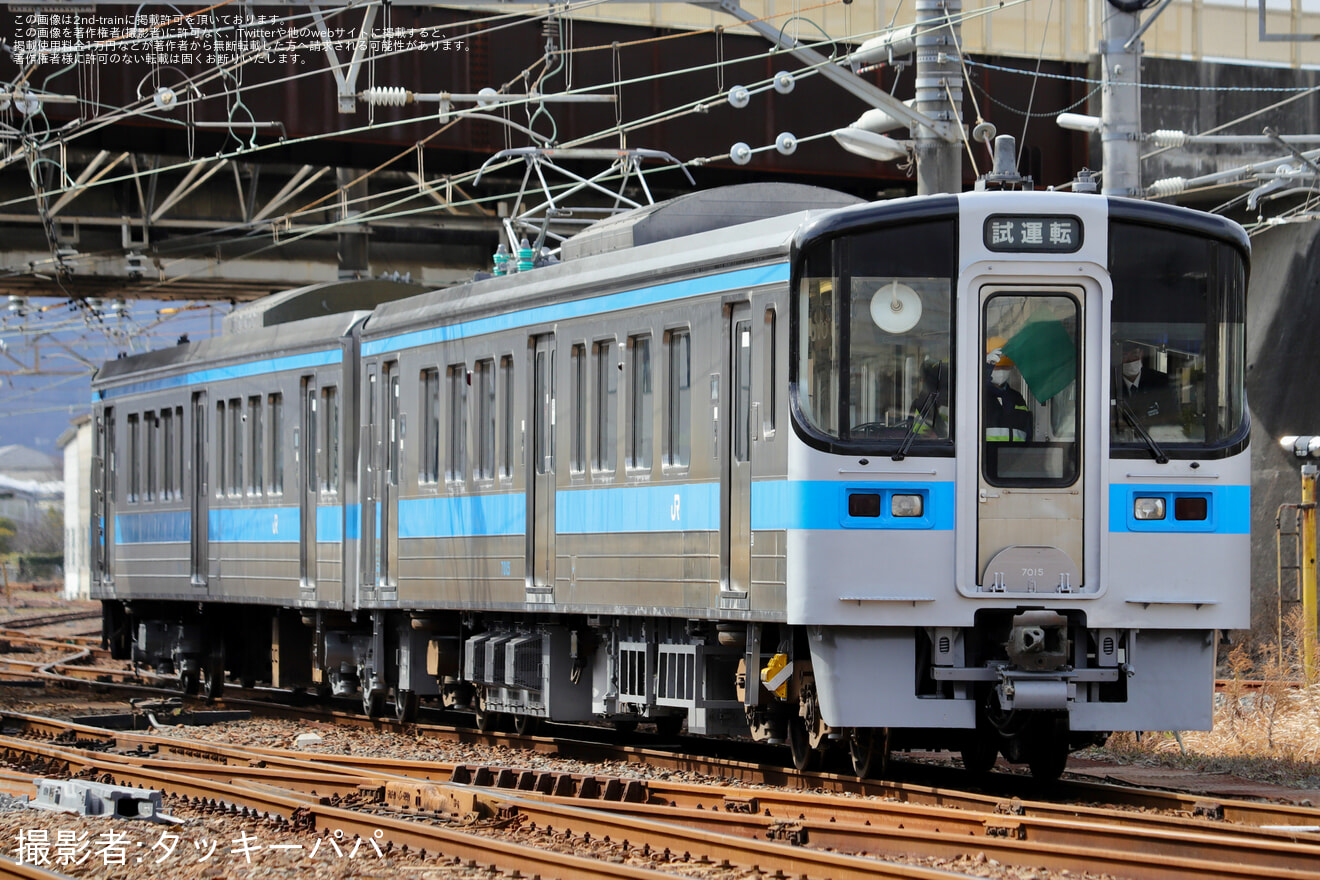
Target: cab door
x=1031, y=439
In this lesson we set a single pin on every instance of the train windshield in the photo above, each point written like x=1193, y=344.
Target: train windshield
x=1178, y=341
x=873, y=334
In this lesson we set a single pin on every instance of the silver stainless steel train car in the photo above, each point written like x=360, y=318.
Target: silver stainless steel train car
x=959, y=471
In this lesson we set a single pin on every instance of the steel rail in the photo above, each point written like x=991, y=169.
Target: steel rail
x=1242, y=817
x=23, y=871
x=627, y=822
x=321, y=817
x=1136, y=846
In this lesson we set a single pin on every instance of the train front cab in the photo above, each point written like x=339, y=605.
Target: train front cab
x=1017, y=585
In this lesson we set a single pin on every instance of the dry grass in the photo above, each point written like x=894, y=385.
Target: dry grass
x=1268, y=732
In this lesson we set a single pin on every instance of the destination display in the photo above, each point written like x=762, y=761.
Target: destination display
x=1020, y=233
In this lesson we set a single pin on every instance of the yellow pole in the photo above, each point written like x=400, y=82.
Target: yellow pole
x=1309, y=472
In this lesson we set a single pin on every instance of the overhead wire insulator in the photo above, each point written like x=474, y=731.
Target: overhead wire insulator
x=387, y=96
x=165, y=98
x=784, y=82
x=1169, y=138
x=740, y=153
x=786, y=143
x=739, y=97
x=1169, y=186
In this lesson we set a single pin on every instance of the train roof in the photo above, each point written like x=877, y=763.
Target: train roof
x=706, y=244
x=316, y=300
x=305, y=335
x=702, y=211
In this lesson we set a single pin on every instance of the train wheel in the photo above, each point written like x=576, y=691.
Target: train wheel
x=190, y=682
x=979, y=753
x=1047, y=760
x=625, y=727
x=799, y=744
x=213, y=675
x=405, y=706
x=668, y=726
x=373, y=702
x=526, y=725
x=869, y=749
x=486, y=720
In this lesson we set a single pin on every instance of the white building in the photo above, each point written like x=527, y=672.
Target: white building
x=77, y=445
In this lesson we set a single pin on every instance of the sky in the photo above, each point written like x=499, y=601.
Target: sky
x=65, y=343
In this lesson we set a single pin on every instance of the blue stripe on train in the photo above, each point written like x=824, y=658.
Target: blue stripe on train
x=158, y=527
x=238, y=524
x=629, y=299
x=664, y=507
x=822, y=504
x=463, y=515
x=233, y=371
x=1227, y=509
x=668, y=507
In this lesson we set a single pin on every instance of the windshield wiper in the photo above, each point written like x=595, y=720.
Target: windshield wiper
x=923, y=414
x=1131, y=417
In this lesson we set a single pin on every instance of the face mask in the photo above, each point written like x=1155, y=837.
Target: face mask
x=1131, y=370
x=999, y=377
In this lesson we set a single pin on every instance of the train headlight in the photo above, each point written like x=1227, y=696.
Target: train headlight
x=906, y=505
x=1148, y=508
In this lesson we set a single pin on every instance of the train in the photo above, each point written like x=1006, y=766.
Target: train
x=735, y=463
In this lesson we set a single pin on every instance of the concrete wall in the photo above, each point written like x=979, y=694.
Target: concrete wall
x=1283, y=311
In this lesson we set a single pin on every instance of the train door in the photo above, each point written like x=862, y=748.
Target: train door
x=201, y=500
x=736, y=528
x=1030, y=500
x=307, y=455
x=369, y=487
x=541, y=475
x=103, y=510
x=389, y=442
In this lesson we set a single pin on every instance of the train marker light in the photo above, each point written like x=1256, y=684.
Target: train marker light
x=1148, y=508
x=905, y=505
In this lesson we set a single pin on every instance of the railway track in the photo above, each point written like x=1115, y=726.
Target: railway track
x=760, y=828
x=741, y=826
x=754, y=764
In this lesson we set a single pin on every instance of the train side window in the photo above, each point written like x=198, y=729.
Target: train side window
x=152, y=426
x=607, y=397
x=485, y=371
x=771, y=389
x=256, y=479
x=112, y=454
x=506, y=415
x=577, y=401
x=221, y=450
x=640, y=427
x=275, y=404
x=236, y=446
x=330, y=413
x=428, y=468
x=678, y=411
x=168, y=487
x=456, y=454
x=394, y=421
x=134, y=459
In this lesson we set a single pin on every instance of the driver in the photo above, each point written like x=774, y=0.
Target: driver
x=1005, y=414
